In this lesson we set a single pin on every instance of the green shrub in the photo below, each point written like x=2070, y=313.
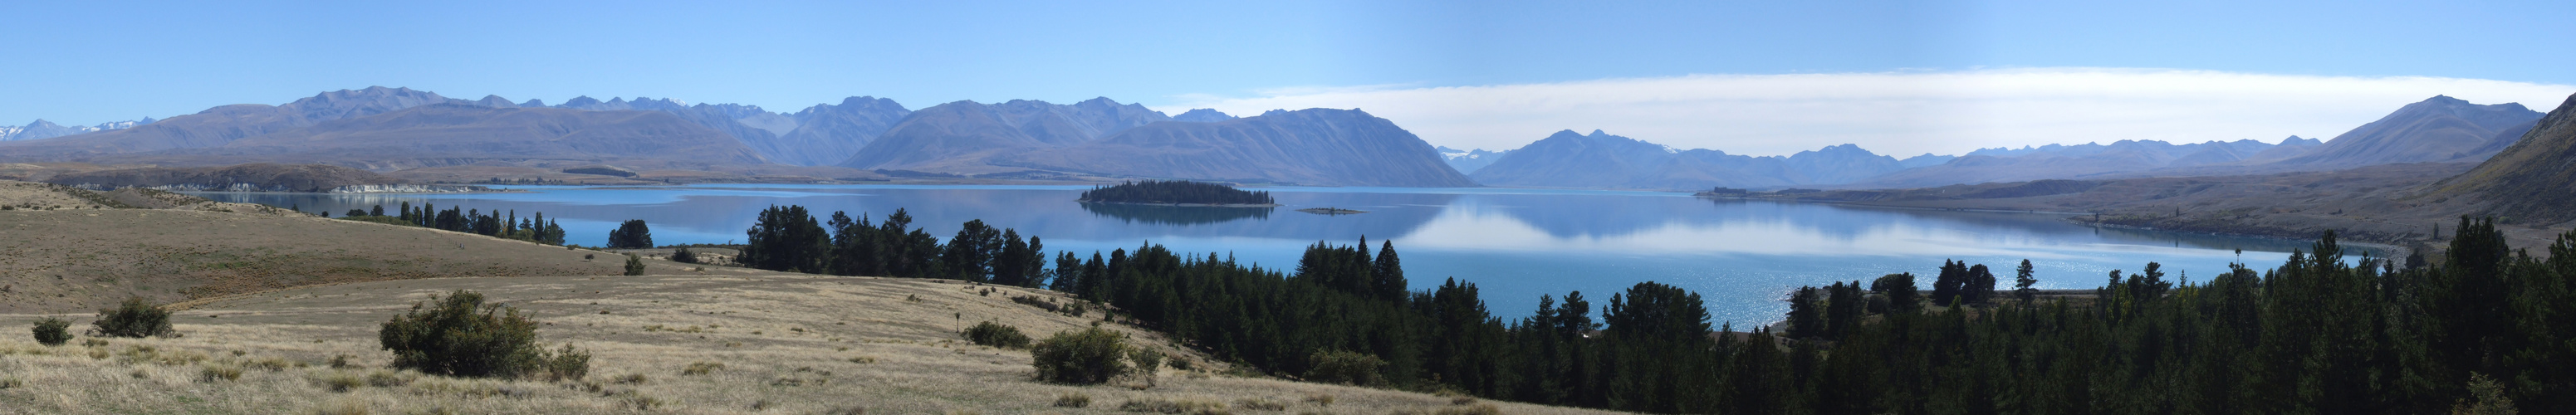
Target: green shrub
x=1092, y=355
x=568, y=364
x=997, y=335
x=53, y=331
x=1147, y=359
x=134, y=318
x=634, y=265
x=1348, y=368
x=684, y=256
x=463, y=337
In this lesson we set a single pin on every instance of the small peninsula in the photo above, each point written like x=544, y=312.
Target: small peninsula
x=1177, y=193
x=1332, y=211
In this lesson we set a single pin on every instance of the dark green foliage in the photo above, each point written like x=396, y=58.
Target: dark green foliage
x=996, y=335
x=684, y=256
x=1180, y=191
x=634, y=265
x=461, y=336
x=969, y=255
x=53, y=331
x=1344, y=367
x=1089, y=356
x=1899, y=291
x=133, y=318
x=2022, y=282
x=494, y=224
x=785, y=238
x=631, y=234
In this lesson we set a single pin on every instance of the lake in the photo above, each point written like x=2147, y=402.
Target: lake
x=1515, y=244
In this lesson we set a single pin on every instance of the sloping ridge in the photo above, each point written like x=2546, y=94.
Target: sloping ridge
x=2441, y=128
x=2534, y=178
x=272, y=177
x=1315, y=146
x=942, y=134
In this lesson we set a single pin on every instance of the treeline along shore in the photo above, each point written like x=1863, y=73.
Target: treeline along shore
x=2485, y=329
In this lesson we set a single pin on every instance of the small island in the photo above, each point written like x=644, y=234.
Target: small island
x=1177, y=193
x=1331, y=211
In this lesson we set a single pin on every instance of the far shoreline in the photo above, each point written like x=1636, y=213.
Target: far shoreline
x=1222, y=205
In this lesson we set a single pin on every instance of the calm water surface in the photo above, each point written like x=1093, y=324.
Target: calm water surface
x=1515, y=244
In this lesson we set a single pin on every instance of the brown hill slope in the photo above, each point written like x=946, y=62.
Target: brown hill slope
x=764, y=343
x=267, y=177
x=1315, y=146
x=79, y=258
x=2534, y=179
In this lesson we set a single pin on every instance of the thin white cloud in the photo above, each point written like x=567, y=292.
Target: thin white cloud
x=1897, y=113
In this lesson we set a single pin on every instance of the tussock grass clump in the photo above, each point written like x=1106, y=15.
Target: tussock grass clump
x=1090, y=356
x=1320, y=399
x=134, y=318
x=1168, y=406
x=219, y=372
x=53, y=331
x=701, y=368
x=1073, y=400
x=997, y=335
x=461, y=336
x=341, y=381
x=11, y=383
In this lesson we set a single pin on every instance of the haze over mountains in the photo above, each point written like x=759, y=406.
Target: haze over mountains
x=389, y=129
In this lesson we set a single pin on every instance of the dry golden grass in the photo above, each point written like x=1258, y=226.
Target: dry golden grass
x=788, y=344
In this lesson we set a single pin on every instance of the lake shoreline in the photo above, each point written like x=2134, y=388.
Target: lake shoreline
x=1222, y=205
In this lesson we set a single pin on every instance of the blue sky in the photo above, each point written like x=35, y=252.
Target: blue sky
x=89, y=62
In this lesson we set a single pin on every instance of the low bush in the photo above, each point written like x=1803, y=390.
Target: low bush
x=1147, y=359
x=1090, y=356
x=701, y=368
x=568, y=364
x=997, y=335
x=634, y=265
x=684, y=256
x=134, y=318
x=1348, y=368
x=461, y=336
x=53, y=331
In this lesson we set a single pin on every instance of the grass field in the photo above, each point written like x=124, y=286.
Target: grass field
x=764, y=344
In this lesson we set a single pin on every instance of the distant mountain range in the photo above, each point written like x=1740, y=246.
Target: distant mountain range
x=2440, y=129
x=386, y=129
x=1100, y=137
x=41, y=129
x=1315, y=146
x=1467, y=161
x=1570, y=159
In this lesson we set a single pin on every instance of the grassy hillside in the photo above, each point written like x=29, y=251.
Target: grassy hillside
x=74, y=250
x=785, y=343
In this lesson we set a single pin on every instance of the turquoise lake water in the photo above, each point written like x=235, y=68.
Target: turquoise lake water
x=1515, y=244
